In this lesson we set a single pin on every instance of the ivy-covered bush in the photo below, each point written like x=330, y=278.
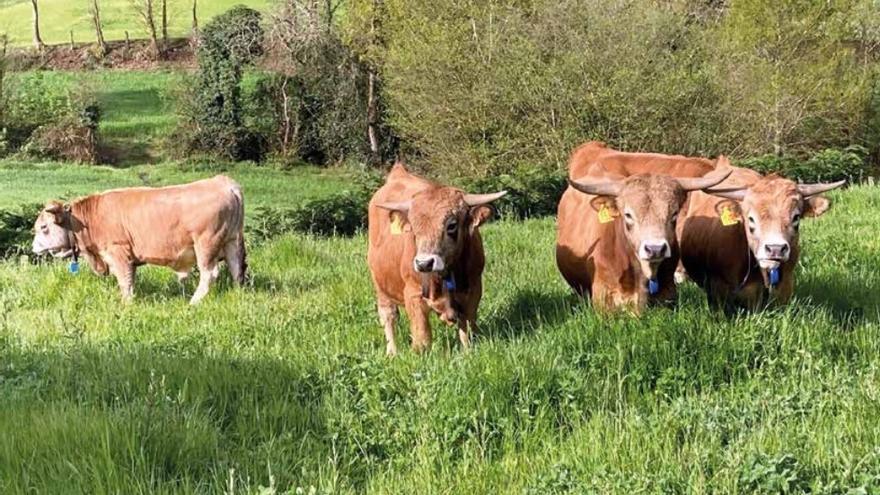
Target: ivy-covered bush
x=16, y=229
x=212, y=113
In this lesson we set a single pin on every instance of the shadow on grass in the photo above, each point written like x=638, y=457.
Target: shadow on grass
x=851, y=301
x=526, y=312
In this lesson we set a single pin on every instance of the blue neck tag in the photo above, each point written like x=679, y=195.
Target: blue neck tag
x=449, y=281
x=774, y=277
x=73, y=267
x=653, y=287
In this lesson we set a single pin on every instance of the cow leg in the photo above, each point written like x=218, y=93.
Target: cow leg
x=235, y=258
x=208, y=273
x=182, y=277
x=388, y=314
x=420, y=328
x=124, y=271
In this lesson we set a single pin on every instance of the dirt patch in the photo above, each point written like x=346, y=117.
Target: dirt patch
x=133, y=55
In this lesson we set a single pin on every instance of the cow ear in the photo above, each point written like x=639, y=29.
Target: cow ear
x=480, y=215
x=399, y=222
x=816, y=206
x=729, y=211
x=606, y=203
x=54, y=207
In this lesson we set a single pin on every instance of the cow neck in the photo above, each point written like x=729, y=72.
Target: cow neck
x=455, y=279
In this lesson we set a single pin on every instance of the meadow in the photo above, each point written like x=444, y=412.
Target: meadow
x=283, y=386
x=59, y=17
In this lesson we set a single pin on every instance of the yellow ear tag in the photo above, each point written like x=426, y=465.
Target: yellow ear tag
x=396, y=225
x=728, y=217
x=605, y=214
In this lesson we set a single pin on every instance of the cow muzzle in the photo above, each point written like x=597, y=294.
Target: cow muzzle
x=654, y=251
x=426, y=263
x=772, y=254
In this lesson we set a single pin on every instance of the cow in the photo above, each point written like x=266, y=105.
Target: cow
x=740, y=242
x=426, y=254
x=616, y=238
x=116, y=231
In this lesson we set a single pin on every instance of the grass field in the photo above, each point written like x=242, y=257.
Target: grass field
x=59, y=17
x=283, y=386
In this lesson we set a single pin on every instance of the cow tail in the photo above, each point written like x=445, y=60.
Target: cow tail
x=242, y=252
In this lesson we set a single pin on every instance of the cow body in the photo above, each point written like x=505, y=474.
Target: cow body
x=610, y=256
x=414, y=268
x=197, y=224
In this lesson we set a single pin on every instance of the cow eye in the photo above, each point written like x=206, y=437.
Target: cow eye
x=674, y=219
x=628, y=217
x=751, y=224
x=452, y=228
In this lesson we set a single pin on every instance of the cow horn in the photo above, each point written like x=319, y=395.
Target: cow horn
x=808, y=190
x=705, y=182
x=482, y=199
x=401, y=206
x=597, y=188
x=734, y=193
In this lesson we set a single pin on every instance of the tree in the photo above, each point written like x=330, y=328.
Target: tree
x=164, y=25
x=95, y=14
x=146, y=13
x=38, y=40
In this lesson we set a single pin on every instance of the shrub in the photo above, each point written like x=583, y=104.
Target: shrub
x=16, y=229
x=825, y=166
x=212, y=120
x=531, y=192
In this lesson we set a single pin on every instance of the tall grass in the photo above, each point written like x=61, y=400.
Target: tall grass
x=284, y=385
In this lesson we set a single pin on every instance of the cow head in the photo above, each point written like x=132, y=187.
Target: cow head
x=649, y=205
x=771, y=210
x=441, y=219
x=51, y=231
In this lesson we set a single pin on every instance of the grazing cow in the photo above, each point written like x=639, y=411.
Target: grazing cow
x=179, y=226
x=741, y=243
x=426, y=254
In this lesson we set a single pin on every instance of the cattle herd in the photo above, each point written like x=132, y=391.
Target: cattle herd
x=629, y=227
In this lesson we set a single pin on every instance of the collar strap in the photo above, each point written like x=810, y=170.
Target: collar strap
x=71, y=237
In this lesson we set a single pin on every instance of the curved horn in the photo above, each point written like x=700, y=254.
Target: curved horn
x=734, y=193
x=704, y=182
x=598, y=187
x=401, y=206
x=808, y=190
x=482, y=199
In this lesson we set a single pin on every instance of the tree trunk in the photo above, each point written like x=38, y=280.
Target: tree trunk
x=372, y=90
x=38, y=40
x=195, y=19
x=99, y=31
x=72, y=44
x=4, y=41
x=164, y=25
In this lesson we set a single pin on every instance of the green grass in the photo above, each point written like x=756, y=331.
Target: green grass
x=284, y=385
x=59, y=17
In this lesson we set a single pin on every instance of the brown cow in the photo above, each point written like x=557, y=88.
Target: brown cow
x=426, y=254
x=616, y=235
x=743, y=250
x=179, y=226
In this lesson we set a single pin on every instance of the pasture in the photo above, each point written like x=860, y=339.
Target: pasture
x=59, y=17
x=283, y=387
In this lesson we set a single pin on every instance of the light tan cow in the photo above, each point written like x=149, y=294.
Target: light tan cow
x=198, y=224
x=616, y=235
x=742, y=248
x=426, y=254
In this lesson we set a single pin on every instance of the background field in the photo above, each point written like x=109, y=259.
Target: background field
x=59, y=17
x=284, y=384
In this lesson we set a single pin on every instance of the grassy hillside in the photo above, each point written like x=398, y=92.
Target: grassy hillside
x=59, y=17
x=283, y=385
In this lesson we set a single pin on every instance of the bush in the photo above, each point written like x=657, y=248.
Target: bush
x=828, y=165
x=16, y=229
x=211, y=114
x=531, y=192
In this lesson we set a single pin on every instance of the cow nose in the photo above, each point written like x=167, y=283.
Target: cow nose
x=655, y=250
x=424, y=265
x=776, y=251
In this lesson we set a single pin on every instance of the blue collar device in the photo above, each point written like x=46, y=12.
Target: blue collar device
x=653, y=287
x=449, y=282
x=775, y=277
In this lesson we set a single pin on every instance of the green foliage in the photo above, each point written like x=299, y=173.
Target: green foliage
x=825, y=166
x=531, y=191
x=16, y=229
x=214, y=122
